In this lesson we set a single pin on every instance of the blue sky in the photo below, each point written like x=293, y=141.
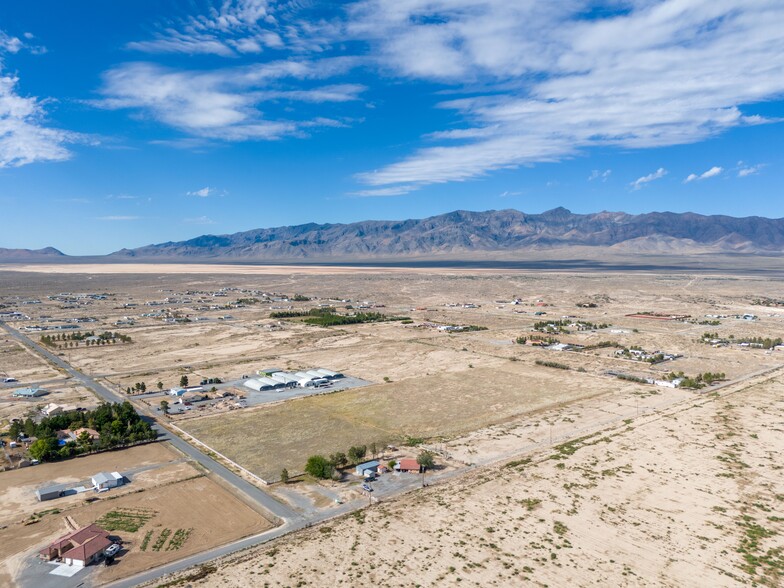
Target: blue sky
x=126, y=123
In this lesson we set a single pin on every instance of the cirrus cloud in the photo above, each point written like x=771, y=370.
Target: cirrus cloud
x=711, y=173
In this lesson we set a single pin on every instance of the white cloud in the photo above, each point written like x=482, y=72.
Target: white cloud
x=641, y=182
x=238, y=27
x=9, y=44
x=200, y=220
x=390, y=191
x=599, y=175
x=203, y=193
x=748, y=170
x=117, y=218
x=223, y=104
x=24, y=135
x=711, y=173
x=544, y=82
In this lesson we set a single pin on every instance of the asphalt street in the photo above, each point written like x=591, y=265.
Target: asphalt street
x=277, y=508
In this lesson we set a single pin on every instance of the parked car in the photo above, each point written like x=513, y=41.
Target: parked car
x=112, y=550
x=10, y=380
x=367, y=488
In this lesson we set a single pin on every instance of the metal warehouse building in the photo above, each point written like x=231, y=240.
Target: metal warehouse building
x=50, y=492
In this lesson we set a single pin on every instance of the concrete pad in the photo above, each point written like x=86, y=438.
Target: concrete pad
x=66, y=571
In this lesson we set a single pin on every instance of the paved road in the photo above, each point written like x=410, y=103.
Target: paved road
x=274, y=506
x=292, y=520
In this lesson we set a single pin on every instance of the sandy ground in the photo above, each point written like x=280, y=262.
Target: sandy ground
x=686, y=497
x=17, y=487
x=175, y=495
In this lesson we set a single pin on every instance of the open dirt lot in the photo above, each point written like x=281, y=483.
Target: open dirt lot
x=17, y=487
x=691, y=496
x=178, y=510
x=16, y=361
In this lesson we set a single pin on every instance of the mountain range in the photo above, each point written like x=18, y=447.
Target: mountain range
x=464, y=234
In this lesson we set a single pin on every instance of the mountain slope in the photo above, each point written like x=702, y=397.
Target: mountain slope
x=19, y=255
x=462, y=232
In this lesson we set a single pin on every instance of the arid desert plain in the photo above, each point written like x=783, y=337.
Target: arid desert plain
x=588, y=428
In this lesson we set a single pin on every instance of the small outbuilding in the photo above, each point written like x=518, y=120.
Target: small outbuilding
x=106, y=480
x=367, y=468
x=50, y=492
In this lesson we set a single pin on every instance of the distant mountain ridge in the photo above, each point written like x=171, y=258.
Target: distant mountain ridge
x=463, y=232
x=17, y=255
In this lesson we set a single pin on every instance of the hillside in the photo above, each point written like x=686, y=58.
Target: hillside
x=459, y=233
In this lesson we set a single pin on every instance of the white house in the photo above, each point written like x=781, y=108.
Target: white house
x=51, y=409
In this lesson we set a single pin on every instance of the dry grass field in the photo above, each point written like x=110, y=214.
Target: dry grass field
x=267, y=439
x=687, y=497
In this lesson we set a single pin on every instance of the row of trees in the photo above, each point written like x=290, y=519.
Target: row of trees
x=325, y=468
x=698, y=381
x=117, y=425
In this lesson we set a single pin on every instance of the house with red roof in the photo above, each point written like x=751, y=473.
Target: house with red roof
x=407, y=465
x=78, y=548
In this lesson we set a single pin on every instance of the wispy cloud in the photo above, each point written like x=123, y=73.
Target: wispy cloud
x=238, y=27
x=545, y=82
x=118, y=218
x=711, y=173
x=600, y=175
x=121, y=197
x=199, y=220
x=748, y=170
x=641, y=182
x=25, y=136
x=391, y=191
x=224, y=104
x=202, y=193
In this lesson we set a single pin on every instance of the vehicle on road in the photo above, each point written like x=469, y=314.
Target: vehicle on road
x=10, y=380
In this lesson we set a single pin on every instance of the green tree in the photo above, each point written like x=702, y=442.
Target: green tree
x=426, y=459
x=318, y=466
x=183, y=381
x=357, y=453
x=338, y=459
x=85, y=440
x=160, y=385
x=164, y=406
x=44, y=449
x=284, y=476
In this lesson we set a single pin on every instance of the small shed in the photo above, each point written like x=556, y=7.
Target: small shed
x=107, y=480
x=369, y=467
x=50, y=492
